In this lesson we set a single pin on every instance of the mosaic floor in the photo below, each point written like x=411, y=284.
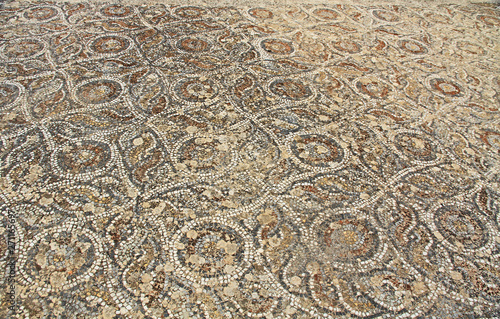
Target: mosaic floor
x=307, y=161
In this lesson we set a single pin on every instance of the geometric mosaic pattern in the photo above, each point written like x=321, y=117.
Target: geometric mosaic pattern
x=309, y=161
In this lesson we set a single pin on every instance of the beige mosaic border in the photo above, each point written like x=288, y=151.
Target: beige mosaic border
x=272, y=3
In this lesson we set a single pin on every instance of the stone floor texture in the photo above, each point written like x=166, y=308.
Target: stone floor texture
x=304, y=160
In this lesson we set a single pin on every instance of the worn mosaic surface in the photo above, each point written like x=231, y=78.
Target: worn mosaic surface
x=305, y=161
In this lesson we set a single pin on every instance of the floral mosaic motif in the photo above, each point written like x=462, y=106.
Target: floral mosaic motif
x=309, y=161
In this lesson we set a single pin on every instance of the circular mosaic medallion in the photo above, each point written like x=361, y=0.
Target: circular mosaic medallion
x=412, y=47
x=205, y=155
x=190, y=12
x=83, y=159
x=344, y=241
x=327, y=14
x=60, y=258
x=317, y=150
x=416, y=147
x=276, y=46
x=260, y=13
x=41, y=13
x=23, y=49
x=290, y=89
x=196, y=90
x=116, y=11
x=193, y=45
x=460, y=225
x=209, y=251
x=98, y=92
x=347, y=46
x=111, y=44
x=347, y=239
x=446, y=87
